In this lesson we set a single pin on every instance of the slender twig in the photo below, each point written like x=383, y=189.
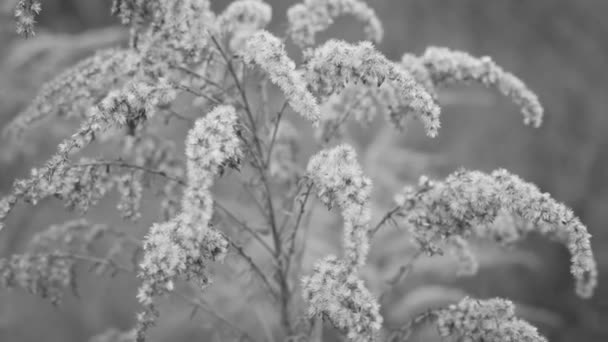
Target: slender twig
x=297, y=225
x=200, y=305
x=253, y=265
x=275, y=130
x=246, y=227
x=119, y=163
x=384, y=219
x=404, y=332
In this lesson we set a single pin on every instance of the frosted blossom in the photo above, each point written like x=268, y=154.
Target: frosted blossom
x=336, y=293
x=75, y=235
x=82, y=186
x=268, y=52
x=242, y=18
x=447, y=66
x=25, y=15
x=183, y=246
x=340, y=181
x=310, y=17
x=75, y=90
x=491, y=320
x=467, y=200
x=336, y=63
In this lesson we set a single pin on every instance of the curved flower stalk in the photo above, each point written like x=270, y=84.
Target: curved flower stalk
x=126, y=107
x=75, y=90
x=469, y=199
x=178, y=32
x=447, y=66
x=336, y=63
x=242, y=18
x=268, y=52
x=183, y=246
x=283, y=157
x=335, y=292
x=491, y=320
x=340, y=181
x=310, y=17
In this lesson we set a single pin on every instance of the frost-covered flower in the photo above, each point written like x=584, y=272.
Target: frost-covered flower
x=468, y=200
x=340, y=181
x=25, y=15
x=310, y=17
x=268, y=52
x=183, y=246
x=242, y=18
x=447, y=66
x=333, y=291
x=76, y=89
x=336, y=63
x=491, y=320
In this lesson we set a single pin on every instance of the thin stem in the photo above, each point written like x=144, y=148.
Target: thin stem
x=245, y=227
x=253, y=265
x=274, y=131
x=293, y=237
x=384, y=219
x=122, y=164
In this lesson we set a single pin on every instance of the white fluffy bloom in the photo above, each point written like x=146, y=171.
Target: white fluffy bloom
x=491, y=320
x=310, y=17
x=340, y=181
x=336, y=63
x=185, y=245
x=268, y=52
x=447, y=66
x=468, y=200
x=242, y=18
x=335, y=292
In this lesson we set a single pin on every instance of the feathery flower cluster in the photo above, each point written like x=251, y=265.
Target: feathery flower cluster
x=310, y=17
x=469, y=199
x=25, y=15
x=268, y=52
x=82, y=186
x=184, y=245
x=242, y=18
x=491, y=320
x=335, y=292
x=335, y=64
x=178, y=32
x=340, y=180
x=447, y=66
x=74, y=90
x=45, y=275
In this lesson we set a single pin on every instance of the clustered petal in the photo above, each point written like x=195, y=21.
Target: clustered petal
x=184, y=245
x=468, y=200
x=335, y=292
x=310, y=17
x=340, y=181
x=268, y=52
x=447, y=66
x=491, y=320
x=336, y=63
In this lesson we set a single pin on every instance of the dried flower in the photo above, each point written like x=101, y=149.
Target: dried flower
x=310, y=17
x=447, y=66
x=268, y=52
x=340, y=181
x=335, y=64
x=333, y=291
x=491, y=320
x=467, y=200
x=25, y=15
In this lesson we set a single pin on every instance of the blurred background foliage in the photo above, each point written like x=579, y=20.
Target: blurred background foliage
x=558, y=47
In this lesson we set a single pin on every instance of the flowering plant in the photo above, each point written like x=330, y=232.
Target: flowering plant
x=181, y=52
